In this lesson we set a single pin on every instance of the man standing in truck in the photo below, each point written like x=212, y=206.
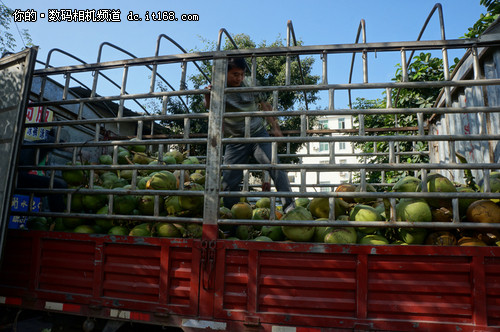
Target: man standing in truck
x=240, y=153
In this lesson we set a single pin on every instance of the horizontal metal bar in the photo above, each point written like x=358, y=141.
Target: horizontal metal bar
x=363, y=138
x=356, y=167
x=344, y=223
x=374, y=195
x=271, y=51
x=365, y=86
x=120, y=97
x=113, y=216
x=144, y=118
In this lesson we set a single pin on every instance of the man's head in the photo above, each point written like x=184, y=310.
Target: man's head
x=235, y=71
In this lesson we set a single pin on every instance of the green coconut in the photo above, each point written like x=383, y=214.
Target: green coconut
x=146, y=205
x=264, y=202
x=413, y=210
x=241, y=210
x=362, y=212
x=263, y=238
x=298, y=233
x=440, y=184
x=302, y=201
x=406, y=184
x=163, y=180
x=275, y=232
x=192, y=203
x=165, y=229
x=373, y=239
x=412, y=235
x=341, y=235
x=118, y=230
x=177, y=155
x=172, y=205
x=320, y=207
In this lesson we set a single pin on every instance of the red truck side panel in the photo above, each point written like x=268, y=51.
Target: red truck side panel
x=254, y=285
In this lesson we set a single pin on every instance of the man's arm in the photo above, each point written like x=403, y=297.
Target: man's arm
x=275, y=127
x=207, y=97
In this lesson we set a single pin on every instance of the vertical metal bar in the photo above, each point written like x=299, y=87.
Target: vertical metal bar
x=274, y=153
x=97, y=131
x=324, y=57
x=66, y=86
x=153, y=77
x=452, y=154
x=446, y=68
x=363, y=179
x=392, y=158
x=247, y=126
x=331, y=101
x=361, y=119
x=424, y=180
x=420, y=120
x=275, y=100
x=486, y=181
x=287, y=71
x=404, y=69
x=392, y=209
x=164, y=104
x=124, y=81
x=183, y=84
x=246, y=178
x=140, y=125
x=303, y=125
x=331, y=204
x=133, y=181
x=388, y=93
x=187, y=132
x=303, y=180
x=332, y=152
x=94, y=83
x=288, y=60
x=254, y=71
x=364, y=56
x=80, y=111
x=214, y=145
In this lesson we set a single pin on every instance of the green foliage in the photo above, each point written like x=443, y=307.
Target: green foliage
x=7, y=39
x=485, y=20
x=424, y=67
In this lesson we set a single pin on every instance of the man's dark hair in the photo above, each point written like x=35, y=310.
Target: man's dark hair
x=239, y=63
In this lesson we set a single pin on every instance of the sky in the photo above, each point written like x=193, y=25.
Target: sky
x=315, y=22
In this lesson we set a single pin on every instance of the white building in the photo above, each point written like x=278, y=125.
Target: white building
x=320, y=153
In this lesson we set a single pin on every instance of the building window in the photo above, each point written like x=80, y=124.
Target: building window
x=341, y=123
x=291, y=178
x=342, y=146
x=323, y=124
x=323, y=146
x=325, y=189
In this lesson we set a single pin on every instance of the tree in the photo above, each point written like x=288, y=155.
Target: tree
x=270, y=72
x=7, y=39
x=485, y=20
x=423, y=68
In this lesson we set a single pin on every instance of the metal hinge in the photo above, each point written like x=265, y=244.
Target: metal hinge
x=208, y=254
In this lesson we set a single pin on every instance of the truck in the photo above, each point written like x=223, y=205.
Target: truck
x=198, y=278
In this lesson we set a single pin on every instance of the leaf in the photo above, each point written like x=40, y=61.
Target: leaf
x=468, y=174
